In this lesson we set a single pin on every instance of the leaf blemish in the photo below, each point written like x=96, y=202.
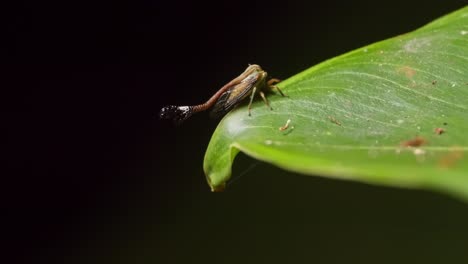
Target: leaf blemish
x=420, y=154
x=407, y=71
x=414, y=145
x=415, y=45
x=333, y=120
x=451, y=159
x=286, y=126
x=439, y=131
x=419, y=151
x=415, y=142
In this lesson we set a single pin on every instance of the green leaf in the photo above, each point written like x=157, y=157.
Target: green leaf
x=361, y=115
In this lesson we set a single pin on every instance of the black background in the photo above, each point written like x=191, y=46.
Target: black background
x=94, y=177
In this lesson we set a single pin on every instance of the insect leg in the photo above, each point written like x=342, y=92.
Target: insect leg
x=271, y=85
x=251, y=99
x=272, y=81
x=265, y=100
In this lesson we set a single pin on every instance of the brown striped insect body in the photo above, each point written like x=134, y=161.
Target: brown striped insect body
x=249, y=83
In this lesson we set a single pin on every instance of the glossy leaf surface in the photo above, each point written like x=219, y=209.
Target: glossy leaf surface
x=392, y=113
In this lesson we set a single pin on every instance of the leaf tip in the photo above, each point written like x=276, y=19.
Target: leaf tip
x=218, y=188
x=216, y=181
x=217, y=166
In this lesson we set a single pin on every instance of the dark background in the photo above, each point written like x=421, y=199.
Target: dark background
x=94, y=177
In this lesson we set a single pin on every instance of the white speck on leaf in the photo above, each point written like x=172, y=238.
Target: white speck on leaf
x=414, y=45
x=419, y=151
x=420, y=154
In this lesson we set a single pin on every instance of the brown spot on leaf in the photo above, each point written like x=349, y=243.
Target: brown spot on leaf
x=451, y=159
x=333, y=119
x=439, y=131
x=407, y=71
x=415, y=142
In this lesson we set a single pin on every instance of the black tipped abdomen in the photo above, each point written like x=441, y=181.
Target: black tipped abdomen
x=178, y=114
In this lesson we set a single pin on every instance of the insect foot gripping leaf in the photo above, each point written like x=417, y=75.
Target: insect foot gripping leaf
x=368, y=115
